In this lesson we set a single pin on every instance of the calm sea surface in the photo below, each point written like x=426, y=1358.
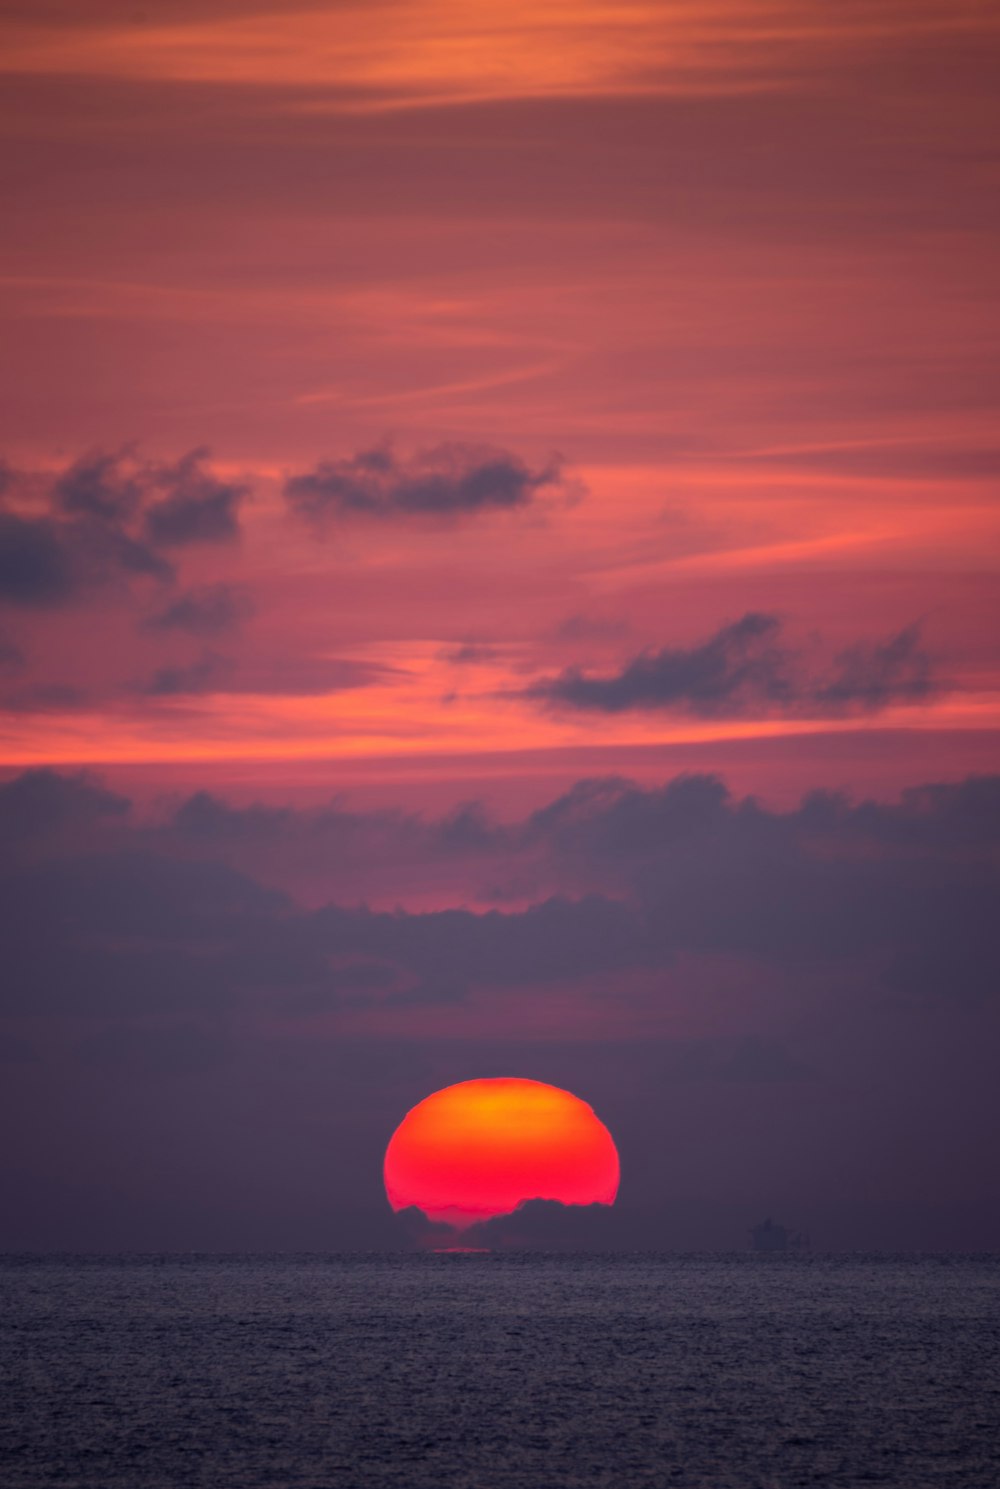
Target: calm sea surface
x=513, y=1371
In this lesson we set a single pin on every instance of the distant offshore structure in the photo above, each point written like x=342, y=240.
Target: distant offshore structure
x=768, y=1236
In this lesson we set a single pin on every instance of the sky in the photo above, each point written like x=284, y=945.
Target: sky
x=499, y=576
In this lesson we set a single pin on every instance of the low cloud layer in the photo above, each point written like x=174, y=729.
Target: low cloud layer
x=103, y=915
x=536, y=1225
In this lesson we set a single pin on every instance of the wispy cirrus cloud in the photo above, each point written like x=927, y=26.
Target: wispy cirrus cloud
x=390, y=54
x=213, y=673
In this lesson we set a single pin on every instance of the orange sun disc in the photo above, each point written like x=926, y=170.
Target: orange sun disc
x=482, y=1148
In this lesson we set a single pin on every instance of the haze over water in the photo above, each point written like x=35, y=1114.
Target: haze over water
x=503, y=1371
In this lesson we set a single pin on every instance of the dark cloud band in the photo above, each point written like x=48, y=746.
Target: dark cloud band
x=448, y=482
x=744, y=668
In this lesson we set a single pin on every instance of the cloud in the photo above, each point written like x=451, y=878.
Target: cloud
x=869, y=677
x=591, y=628
x=102, y=554
x=276, y=675
x=104, y=519
x=108, y=486
x=922, y=460
x=677, y=871
x=204, y=817
x=207, y=611
x=552, y=941
x=536, y=1225
x=465, y=830
x=197, y=506
x=11, y=655
x=901, y=889
x=35, y=563
x=739, y=666
x=178, y=504
x=898, y=900
x=449, y=481
x=744, y=669
x=489, y=52
x=469, y=653
x=128, y=933
x=206, y=675
x=547, y=1224
x=83, y=540
x=40, y=804
x=51, y=697
x=128, y=930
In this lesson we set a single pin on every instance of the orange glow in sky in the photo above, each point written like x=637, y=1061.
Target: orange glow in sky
x=483, y=1147
x=387, y=54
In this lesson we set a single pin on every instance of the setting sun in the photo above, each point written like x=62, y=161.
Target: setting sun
x=483, y=1147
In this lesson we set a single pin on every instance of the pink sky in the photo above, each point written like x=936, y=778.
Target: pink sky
x=732, y=264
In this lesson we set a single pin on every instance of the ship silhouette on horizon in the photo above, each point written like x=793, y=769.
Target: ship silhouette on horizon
x=770, y=1236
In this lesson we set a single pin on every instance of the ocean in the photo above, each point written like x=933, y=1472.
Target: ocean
x=499, y=1371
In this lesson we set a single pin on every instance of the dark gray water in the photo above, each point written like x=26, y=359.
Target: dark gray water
x=499, y=1372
